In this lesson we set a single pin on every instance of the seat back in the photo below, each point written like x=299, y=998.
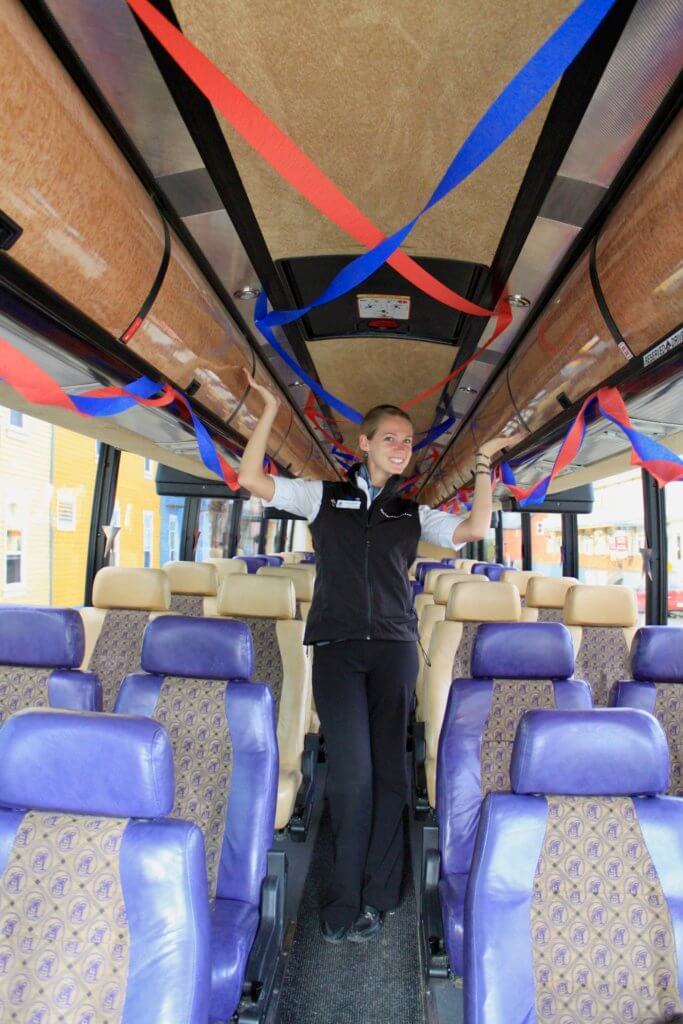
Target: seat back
x=603, y=622
x=268, y=606
x=303, y=581
x=547, y=595
x=227, y=566
x=465, y=563
x=253, y=562
x=423, y=568
x=432, y=576
x=432, y=609
x=573, y=909
x=191, y=584
x=519, y=578
x=40, y=651
x=124, y=601
x=494, y=570
x=102, y=898
x=450, y=651
x=657, y=686
x=274, y=560
x=196, y=683
x=516, y=667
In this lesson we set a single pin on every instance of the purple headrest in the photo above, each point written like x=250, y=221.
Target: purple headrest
x=86, y=763
x=417, y=588
x=522, y=650
x=253, y=562
x=424, y=567
x=604, y=752
x=41, y=637
x=274, y=559
x=491, y=569
x=308, y=558
x=198, y=648
x=657, y=654
x=450, y=562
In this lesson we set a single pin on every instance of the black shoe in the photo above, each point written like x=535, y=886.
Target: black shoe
x=366, y=925
x=331, y=934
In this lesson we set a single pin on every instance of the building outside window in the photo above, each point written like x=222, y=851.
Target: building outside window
x=149, y=469
x=66, y=510
x=14, y=546
x=214, y=528
x=673, y=503
x=546, y=543
x=612, y=536
x=16, y=419
x=250, y=527
x=512, y=539
x=147, y=539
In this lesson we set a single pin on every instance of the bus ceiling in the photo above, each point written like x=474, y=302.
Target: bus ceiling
x=181, y=224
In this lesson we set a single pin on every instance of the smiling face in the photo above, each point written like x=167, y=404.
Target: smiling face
x=389, y=449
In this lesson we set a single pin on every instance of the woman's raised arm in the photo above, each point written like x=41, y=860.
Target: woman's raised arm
x=251, y=475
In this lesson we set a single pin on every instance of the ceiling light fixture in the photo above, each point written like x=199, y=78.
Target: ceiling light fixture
x=519, y=301
x=249, y=292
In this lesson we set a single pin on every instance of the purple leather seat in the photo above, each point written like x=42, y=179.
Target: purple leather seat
x=515, y=667
x=416, y=588
x=574, y=908
x=657, y=668
x=423, y=568
x=102, y=897
x=274, y=559
x=494, y=570
x=253, y=562
x=195, y=680
x=40, y=651
x=308, y=558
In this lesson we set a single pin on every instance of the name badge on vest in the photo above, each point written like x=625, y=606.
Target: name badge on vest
x=346, y=502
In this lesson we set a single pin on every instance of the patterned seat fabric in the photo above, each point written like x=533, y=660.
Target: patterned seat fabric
x=191, y=583
x=124, y=600
x=602, y=621
x=578, y=893
x=103, y=917
x=657, y=686
x=303, y=582
x=267, y=604
x=450, y=651
x=221, y=727
x=40, y=651
x=516, y=667
x=548, y=594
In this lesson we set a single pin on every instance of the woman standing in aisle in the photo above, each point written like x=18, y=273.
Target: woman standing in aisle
x=363, y=630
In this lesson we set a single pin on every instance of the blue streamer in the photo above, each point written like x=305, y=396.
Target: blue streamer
x=434, y=433
x=506, y=113
x=336, y=403
x=141, y=388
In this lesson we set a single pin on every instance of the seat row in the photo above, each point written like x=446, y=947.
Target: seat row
x=517, y=668
x=175, y=919
x=602, y=622
x=573, y=910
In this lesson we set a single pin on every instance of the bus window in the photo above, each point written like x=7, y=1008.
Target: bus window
x=612, y=535
x=215, y=528
x=673, y=504
x=150, y=525
x=512, y=539
x=250, y=527
x=489, y=543
x=546, y=543
x=47, y=478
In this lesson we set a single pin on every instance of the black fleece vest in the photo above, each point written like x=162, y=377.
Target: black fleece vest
x=362, y=561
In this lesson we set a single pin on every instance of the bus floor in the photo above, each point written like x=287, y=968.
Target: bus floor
x=379, y=982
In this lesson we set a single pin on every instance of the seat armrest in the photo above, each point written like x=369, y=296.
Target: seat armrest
x=264, y=958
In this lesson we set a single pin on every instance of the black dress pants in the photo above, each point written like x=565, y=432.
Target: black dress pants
x=363, y=690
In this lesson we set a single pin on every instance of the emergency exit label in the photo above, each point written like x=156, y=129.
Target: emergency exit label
x=375, y=307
